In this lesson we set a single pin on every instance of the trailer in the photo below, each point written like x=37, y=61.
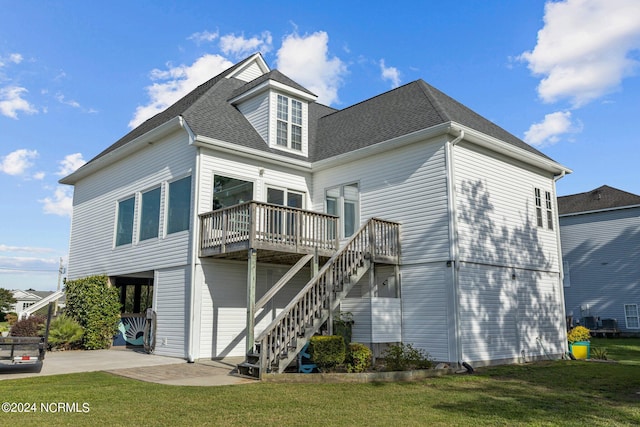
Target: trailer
x=25, y=350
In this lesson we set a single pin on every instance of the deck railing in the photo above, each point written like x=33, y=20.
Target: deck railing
x=264, y=225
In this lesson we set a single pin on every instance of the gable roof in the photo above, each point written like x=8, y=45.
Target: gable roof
x=401, y=111
x=602, y=198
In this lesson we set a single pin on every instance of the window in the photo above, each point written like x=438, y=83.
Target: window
x=230, y=191
x=538, y=207
x=179, y=209
x=541, y=217
x=150, y=214
x=631, y=316
x=282, y=197
x=547, y=196
x=124, y=226
x=344, y=202
x=289, y=124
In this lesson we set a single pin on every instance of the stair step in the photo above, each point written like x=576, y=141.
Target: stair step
x=250, y=370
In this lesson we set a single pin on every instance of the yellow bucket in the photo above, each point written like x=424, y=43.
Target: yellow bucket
x=581, y=349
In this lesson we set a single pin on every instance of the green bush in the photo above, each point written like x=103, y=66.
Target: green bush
x=65, y=333
x=327, y=351
x=599, y=353
x=96, y=307
x=359, y=357
x=403, y=357
x=32, y=326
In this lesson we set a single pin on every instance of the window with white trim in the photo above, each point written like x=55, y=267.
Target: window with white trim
x=179, y=205
x=228, y=191
x=124, y=223
x=544, y=213
x=631, y=316
x=344, y=202
x=289, y=124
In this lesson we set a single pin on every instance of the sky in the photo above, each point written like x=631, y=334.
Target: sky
x=75, y=76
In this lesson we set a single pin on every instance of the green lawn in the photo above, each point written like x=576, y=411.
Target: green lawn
x=623, y=350
x=547, y=393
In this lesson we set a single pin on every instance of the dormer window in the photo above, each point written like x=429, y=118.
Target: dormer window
x=289, y=128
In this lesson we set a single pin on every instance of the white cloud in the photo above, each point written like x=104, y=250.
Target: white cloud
x=61, y=99
x=175, y=82
x=306, y=60
x=239, y=46
x=70, y=164
x=12, y=102
x=584, y=49
x=203, y=36
x=548, y=131
x=61, y=203
x=15, y=58
x=17, y=162
x=39, y=176
x=32, y=249
x=390, y=73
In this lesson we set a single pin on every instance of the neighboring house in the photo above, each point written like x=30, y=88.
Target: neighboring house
x=29, y=298
x=600, y=232
x=464, y=262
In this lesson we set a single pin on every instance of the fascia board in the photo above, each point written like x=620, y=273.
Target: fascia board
x=494, y=144
x=216, y=144
x=121, y=152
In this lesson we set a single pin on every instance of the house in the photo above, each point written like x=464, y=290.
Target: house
x=249, y=213
x=29, y=301
x=600, y=232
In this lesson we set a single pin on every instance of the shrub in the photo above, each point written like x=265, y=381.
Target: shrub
x=579, y=333
x=327, y=351
x=11, y=318
x=32, y=326
x=359, y=358
x=403, y=357
x=65, y=333
x=599, y=353
x=342, y=325
x=96, y=307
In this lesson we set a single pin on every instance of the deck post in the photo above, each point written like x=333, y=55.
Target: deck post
x=251, y=297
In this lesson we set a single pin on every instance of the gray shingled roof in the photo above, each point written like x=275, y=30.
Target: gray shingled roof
x=409, y=108
x=604, y=197
x=274, y=75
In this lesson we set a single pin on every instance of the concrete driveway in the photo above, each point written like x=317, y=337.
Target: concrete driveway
x=132, y=364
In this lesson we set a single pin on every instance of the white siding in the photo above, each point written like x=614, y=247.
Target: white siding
x=256, y=110
x=251, y=72
x=224, y=299
x=261, y=174
x=96, y=198
x=407, y=185
x=426, y=307
x=496, y=211
x=504, y=318
x=171, y=305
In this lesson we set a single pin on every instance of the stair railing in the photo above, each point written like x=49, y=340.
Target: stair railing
x=304, y=315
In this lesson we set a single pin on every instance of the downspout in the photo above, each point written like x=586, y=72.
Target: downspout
x=453, y=240
x=556, y=178
x=193, y=313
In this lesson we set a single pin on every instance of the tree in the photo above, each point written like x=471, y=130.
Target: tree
x=6, y=299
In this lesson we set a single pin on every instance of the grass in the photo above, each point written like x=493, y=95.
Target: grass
x=623, y=350
x=546, y=393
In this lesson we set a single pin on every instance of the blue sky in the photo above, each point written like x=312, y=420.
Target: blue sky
x=76, y=75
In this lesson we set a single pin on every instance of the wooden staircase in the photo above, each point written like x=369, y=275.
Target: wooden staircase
x=278, y=345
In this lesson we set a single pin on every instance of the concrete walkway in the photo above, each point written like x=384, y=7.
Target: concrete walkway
x=132, y=364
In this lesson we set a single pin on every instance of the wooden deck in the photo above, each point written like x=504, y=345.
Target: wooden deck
x=279, y=233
